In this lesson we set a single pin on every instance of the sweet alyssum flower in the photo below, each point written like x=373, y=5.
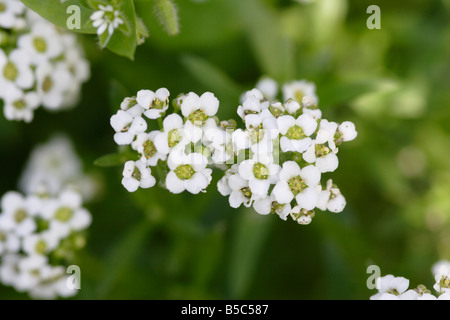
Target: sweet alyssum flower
x=43, y=226
x=274, y=163
x=45, y=63
x=396, y=288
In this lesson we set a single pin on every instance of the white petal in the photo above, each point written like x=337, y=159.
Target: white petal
x=337, y=204
x=311, y=175
x=263, y=206
x=308, y=198
x=130, y=184
x=259, y=188
x=284, y=123
x=174, y=184
x=327, y=163
x=290, y=169
x=282, y=192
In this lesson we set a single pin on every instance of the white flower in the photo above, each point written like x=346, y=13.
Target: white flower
x=155, y=103
x=145, y=145
x=301, y=215
x=53, y=165
x=53, y=81
x=260, y=172
x=137, y=174
x=10, y=12
x=348, y=131
x=331, y=198
x=298, y=89
x=262, y=130
x=43, y=42
x=270, y=205
x=18, y=213
x=219, y=143
x=9, y=241
x=173, y=134
x=299, y=184
x=66, y=214
x=106, y=18
x=296, y=132
x=441, y=272
x=16, y=69
x=41, y=243
x=198, y=109
x=187, y=172
x=236, y=187
x=323, y=158
x=389, y=287
x=253, y=102
x=292, y=106
x=126, y=127
x=19, y=105
x=268, y=87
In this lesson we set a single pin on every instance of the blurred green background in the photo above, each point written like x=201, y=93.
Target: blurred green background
x=393, y=83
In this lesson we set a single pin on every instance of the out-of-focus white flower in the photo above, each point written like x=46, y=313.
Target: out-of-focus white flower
x=66, y=214
x=10, y=14
x=54, y=165
x=43, y=43
x=19, y=105
x=298, y=89
x=268, y=87
x=106, y=18
x=15, y=69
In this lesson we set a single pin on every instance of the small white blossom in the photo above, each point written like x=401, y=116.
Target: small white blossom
x=66, y=214
x=136, y=174
x=299, y=184
x=43, y=43
x=154, y=103
x=126, y=127
x=19, y=105
x=106, y=18
x=268, y=87
x=17, y=213
x=10, y=13
x=173, y=134
x=15, y=69
x=145, y=145
x=187, y=172
x=296, y=132
x=348, y=131
x=260, y=172
x=298, y=89
x=198, y=109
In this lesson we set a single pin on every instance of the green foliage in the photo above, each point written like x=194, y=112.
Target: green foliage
x=393, y=83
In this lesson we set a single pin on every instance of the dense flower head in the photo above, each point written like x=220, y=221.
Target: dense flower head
x=40, y=65
x=274, y=163
x=44, y=225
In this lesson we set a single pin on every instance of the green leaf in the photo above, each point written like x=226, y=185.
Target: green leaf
x=273, y=49
x=168, y=16
x=114, y=159
x=250, y=235
x=59, y=13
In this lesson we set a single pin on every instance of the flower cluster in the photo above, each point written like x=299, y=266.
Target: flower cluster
x=40, y=65
x=396, y=288
x=274, y=163
x=42, y=228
